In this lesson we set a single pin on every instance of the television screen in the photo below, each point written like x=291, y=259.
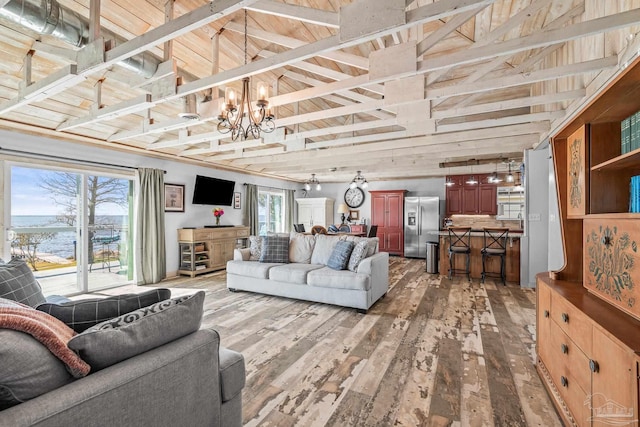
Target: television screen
x=213, y=191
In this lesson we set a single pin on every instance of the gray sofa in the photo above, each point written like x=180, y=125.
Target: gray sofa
x=191, y=381
x=313, y=280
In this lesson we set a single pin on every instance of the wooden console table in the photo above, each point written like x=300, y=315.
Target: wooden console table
x=202, y=250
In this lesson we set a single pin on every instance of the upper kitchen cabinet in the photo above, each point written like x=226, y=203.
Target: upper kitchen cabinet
x=469, y=198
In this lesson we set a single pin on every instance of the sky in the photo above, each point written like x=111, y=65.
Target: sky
x=28, y=198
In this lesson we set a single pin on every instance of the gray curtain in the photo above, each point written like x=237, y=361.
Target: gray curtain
x=289, y=202
x=151, y=257
x=251, y=212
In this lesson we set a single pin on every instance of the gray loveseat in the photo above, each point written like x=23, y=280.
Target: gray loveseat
x=191, y=381
x=307, y=277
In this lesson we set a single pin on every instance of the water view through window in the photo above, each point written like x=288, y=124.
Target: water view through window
x=72, y=228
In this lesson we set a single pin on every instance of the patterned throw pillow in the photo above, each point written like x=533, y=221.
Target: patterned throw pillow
x=340, y=256
x=275, y=249
x=18, y=284
x=358, y=254
x=83, y=314
x=115, y=340
x=255, y=247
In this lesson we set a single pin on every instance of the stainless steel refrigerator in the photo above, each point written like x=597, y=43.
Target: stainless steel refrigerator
x=421, y=224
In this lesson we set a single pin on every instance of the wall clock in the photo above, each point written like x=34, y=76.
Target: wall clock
x=354, y=197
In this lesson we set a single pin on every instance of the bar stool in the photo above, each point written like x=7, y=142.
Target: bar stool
x=459, y=244
x=495, y=244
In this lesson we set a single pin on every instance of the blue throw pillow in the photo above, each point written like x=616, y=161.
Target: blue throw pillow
x=340, y=256
x=275, y=249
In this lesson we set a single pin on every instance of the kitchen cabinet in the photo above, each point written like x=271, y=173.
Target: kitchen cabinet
x=315, y=211
x=471, y=199
x=387, y=212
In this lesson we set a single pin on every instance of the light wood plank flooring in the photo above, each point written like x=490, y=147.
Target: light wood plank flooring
x=433, y=352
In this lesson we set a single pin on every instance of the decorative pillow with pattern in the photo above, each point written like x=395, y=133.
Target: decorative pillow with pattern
x=18, y=284
x=83, y=314
x=275, y=249
x=115, y=340
x=340, y=256
x=255, y=247
x=358, y=254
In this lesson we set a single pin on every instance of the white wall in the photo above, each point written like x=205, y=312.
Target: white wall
x=176, y=173
x=415, y=187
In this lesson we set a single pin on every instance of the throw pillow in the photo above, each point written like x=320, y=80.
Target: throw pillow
x=18, y=284
x=301, y=248
x=81, y=315
x=358, y=254
x=48, y=330
x=323, y=249
x=115, y=340
x=340, y=256
x=255, y=247
x=275, y=249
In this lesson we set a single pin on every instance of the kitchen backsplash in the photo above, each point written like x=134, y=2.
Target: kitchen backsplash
x=480, y=221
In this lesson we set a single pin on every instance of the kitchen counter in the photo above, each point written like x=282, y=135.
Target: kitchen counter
x=512, y=260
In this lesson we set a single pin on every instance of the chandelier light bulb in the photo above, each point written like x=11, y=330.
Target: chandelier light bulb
x=365, y=184
x=307, y=186
x=318, y=187
x=353, y=184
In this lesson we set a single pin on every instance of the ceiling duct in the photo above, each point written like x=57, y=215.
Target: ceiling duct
x=189, y=108
x=48, y=17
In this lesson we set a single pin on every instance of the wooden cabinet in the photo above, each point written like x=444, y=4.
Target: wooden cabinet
x=315, y=211
x=358, y=228
x=586, y=357
x=387, y=212
x=594, y=298
x=202, y=250
x=471, y=199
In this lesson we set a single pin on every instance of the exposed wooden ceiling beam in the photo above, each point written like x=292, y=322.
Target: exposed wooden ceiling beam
x=299, y=13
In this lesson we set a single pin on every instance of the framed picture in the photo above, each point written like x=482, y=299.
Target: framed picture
x=354, y=215
x=236, y=200
x=173, y=198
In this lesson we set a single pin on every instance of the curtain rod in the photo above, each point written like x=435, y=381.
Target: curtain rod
x=266, y=186
x=66, y=159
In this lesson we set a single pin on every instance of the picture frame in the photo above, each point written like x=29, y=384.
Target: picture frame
x=173, y=197
x=236, y=200
x=354, y=215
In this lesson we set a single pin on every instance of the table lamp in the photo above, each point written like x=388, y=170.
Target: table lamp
x=343, y=209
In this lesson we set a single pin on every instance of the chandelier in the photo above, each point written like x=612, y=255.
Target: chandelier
x=313, y=181
x=359, y=180
x=234, y=110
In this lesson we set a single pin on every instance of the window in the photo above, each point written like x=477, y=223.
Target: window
x=270, y=211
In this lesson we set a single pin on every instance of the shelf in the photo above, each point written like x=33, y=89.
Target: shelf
x=613, y=215
x=626, y=162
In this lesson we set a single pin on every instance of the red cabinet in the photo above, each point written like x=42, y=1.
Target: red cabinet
x=471, y=199
x=387, y=212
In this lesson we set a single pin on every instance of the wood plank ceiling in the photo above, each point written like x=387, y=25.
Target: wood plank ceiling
x=394, y=88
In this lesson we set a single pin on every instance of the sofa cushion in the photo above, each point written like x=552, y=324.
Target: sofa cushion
x=358, y=254
x=301, y=247
x=28, y=369
x=115, y=340
x=18, y=284
x=48, y=330
x=255, y=246
x=232, y=373
x=253, y=269
x=292, y=273
x=81, y=315
x=338, y=279
x=372, y=243
x=323, y=248
x=340, y=256
x=275, y=249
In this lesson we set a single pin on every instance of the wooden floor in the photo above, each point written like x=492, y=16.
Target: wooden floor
x=433, y=352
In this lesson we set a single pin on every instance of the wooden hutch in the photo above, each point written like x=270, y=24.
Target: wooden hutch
x=588, y=332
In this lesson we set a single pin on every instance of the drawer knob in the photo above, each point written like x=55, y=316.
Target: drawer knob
x=564, y=348
x=565, y=317
x=546, y=313
x=564, y=381
x=593, y=365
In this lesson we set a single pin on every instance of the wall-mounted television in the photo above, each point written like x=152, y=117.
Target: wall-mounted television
x=213, y=191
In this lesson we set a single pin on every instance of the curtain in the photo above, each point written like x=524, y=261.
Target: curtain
x=251, y=213
x=290, y=209
x=151, y=262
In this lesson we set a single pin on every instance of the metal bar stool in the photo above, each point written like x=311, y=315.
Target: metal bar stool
x=459, y=244
x=495, y=244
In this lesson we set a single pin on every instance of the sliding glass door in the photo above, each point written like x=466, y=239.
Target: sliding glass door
x=72, y=228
